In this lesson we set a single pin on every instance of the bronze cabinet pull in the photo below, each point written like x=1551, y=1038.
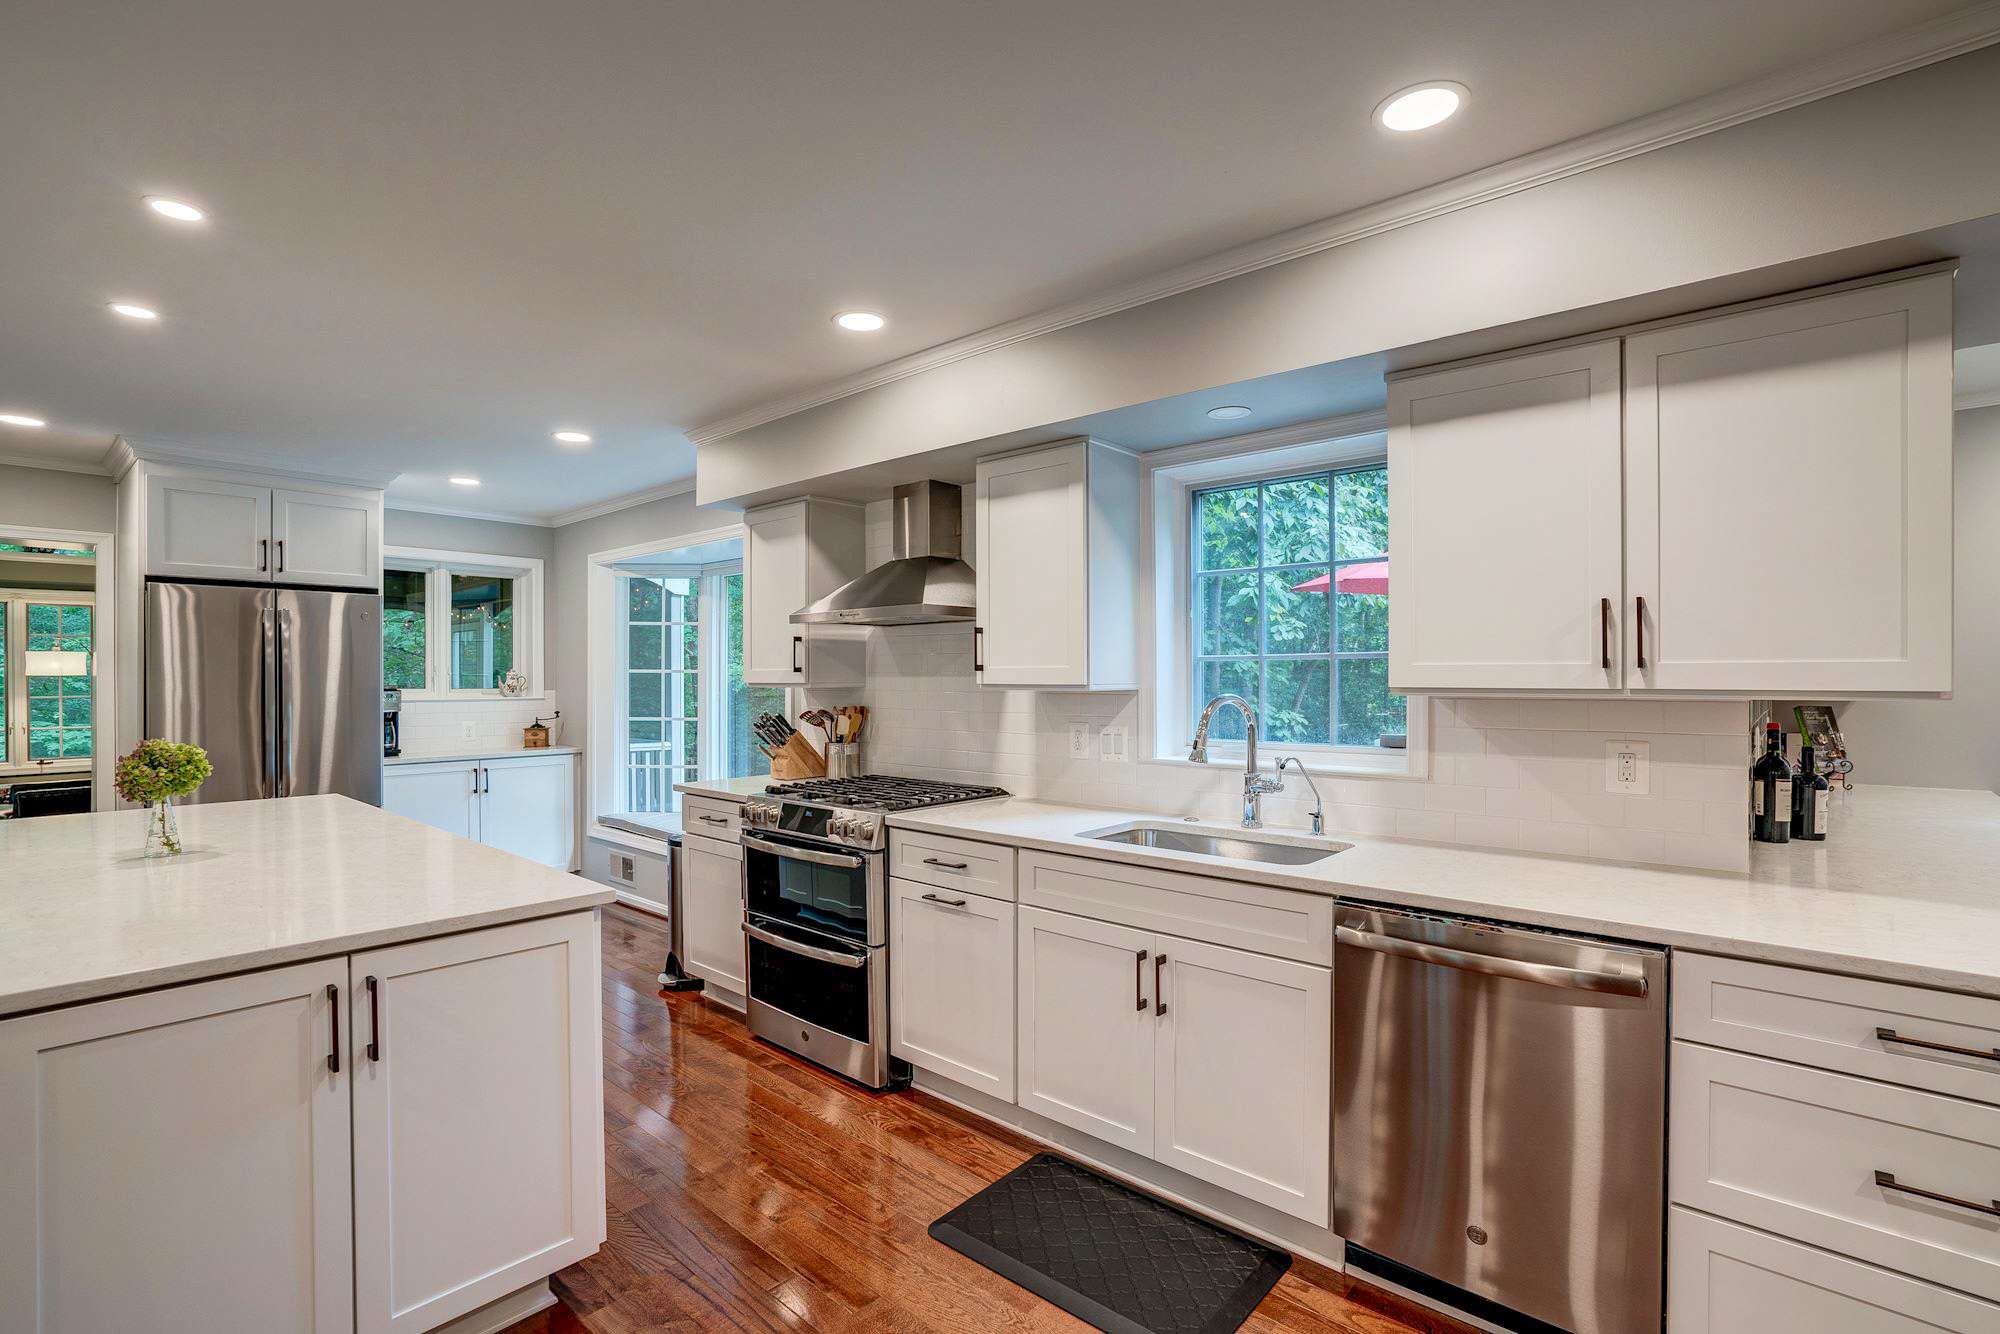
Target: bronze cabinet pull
x=1604, y=631
x=374, y=1019
x=1891, y=1035
x=1887, y=1181
x=1139, y=981
x=949, y=866
x=1639, y=625
x=978, y=637
x=1159, y=987
x=333, y=1010
x=949, y=903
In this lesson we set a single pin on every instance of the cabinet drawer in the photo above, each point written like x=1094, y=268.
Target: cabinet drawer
x=711, y=818
x=1833, y=1022
x=1797, y=1151
x=954, y=863
x=1726, y=1279
x=1282, y=922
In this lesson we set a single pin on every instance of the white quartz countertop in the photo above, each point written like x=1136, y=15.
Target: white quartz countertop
x=1906, y=888
x=261, y=883
x=726, y=789
x=477, y=751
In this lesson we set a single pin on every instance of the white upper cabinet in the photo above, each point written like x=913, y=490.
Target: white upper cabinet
x=1506, y=525
x=1788, y=481
x=328, y=538
x=795, y=554
x=1057, y=532
x=1769, y=514
x=200, y=527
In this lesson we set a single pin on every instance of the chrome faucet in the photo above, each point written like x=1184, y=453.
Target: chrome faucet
x=1319, y=807
x=1255, y=785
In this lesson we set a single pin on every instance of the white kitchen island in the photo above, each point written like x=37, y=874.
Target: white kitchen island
x=329, y=1069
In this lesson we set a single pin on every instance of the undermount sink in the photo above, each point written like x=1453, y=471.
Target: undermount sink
x=1243, y=847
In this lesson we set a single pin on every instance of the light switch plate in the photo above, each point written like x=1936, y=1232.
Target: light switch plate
x=1627, y=768
x=1111, y=743
x=1079, y=740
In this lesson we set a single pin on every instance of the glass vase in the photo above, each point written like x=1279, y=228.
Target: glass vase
x=163, y=830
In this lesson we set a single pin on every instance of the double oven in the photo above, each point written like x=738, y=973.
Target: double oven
x=815, y=937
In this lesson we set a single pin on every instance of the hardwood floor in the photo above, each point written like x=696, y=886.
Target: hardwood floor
x=748, y=1190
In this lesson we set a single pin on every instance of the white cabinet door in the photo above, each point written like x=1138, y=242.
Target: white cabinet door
x=1245, y=1073
x=1725, y=1279
x=1086, y=1026
x=951, y=980
x=1032, y=574
x=478, y=1118
x=179, y=1160
x=525, y=807
x=774, y=586
x=712, y=911
x=325, y=537
x=1788, y=483
x=444, y=795
x=1506, y=520
x=198, y=528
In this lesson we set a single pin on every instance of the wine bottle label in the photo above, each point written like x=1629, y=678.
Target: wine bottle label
x=1822, y=807
x=1783, y=797
x=1756, y=797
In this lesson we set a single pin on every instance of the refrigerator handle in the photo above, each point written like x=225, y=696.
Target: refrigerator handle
x=285, y=702
x=269, y=785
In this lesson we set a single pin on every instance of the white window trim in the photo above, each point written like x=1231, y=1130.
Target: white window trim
x=14, y=720
x=438, y=566
x=1173, y=476
x=605, y=662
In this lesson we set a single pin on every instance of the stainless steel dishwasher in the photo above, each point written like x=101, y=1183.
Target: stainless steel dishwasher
x=1500, y=1117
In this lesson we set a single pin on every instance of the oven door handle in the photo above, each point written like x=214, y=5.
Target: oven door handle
x=810, y=951
x=851, y=860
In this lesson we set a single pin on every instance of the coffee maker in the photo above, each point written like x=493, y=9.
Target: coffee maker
x=392, y=717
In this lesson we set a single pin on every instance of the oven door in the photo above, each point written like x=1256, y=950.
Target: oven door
x=827, y=891
x=826, y=1001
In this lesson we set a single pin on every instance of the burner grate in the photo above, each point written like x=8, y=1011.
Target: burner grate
x=883, y=792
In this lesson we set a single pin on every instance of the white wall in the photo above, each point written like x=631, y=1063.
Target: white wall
x=1954, y=742
x=1866, y=167
x=46, y=498
x=449, y=532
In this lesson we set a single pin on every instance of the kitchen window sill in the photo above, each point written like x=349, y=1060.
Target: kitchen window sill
x=1406, y=765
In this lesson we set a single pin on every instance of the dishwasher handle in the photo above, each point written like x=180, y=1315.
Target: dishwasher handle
x=1494, y=965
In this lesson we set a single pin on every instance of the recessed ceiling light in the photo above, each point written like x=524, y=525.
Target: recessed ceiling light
x=465, y=481
x=859, y=321
x=17, y=419
x=178, y=210
x=573, y=437
x=1229, y=412
x=132, y=312
x=1420, y=107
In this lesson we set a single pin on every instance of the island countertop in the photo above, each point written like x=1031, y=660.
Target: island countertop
x=261, y=883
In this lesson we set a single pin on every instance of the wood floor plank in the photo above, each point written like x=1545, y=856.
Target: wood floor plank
x=748, y=1190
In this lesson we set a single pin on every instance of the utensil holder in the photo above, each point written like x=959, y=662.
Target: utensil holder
x=843, y=759
x=794, y=760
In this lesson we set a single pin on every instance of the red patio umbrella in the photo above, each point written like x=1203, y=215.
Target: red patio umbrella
x=1367, y=577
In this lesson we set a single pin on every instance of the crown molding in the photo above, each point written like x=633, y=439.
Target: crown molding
x=1855, y=67
x=1317, y=431
x=459, y=512
x=630, y=500
x=124, y=452
x=90, y=469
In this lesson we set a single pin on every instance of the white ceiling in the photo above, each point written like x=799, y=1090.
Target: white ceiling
x=442, y=230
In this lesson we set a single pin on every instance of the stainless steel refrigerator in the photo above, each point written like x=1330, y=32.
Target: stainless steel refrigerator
x=281, y=686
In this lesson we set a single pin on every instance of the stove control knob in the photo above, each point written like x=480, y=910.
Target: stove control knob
x=840, y=826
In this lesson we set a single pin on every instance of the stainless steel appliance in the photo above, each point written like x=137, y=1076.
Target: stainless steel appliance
x=924, y=581
x=281, y=686
x=392, y=721
x=1500, y=1116
x=816, y=916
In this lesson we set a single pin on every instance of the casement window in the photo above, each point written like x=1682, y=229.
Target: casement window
x=47, y=680
x=683, y=709
x=457, y=624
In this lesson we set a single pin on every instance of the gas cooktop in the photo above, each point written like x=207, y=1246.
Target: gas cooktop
x=848, y=812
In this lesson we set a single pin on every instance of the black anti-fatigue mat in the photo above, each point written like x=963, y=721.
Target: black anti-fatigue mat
x=1125, y=1262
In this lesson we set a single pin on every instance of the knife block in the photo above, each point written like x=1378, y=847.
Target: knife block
x=794, y=760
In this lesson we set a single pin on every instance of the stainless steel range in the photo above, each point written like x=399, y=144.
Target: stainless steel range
x=816, y=915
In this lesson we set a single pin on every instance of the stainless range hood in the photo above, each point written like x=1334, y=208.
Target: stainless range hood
x=925, y=582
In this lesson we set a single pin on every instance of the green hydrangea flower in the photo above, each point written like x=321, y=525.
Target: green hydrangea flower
x=157, y=769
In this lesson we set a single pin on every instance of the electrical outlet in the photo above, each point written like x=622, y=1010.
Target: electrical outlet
x=469, y=731
x=1079, y=741
x=1627, y=768
x=1111, y=743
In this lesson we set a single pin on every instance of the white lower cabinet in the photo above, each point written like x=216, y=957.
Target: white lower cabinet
x=712, y=911
x=372, y=1142
x=951, y=985
x=523, y=804
x=179, y=1160
x=478, y=1143
x=1214, y=1061
x=1727, y=1279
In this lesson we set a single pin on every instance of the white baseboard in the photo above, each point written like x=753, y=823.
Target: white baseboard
x=497, y=1315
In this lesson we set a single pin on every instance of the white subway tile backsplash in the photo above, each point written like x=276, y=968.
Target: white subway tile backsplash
x=1627, y=845
x=1557, y=715
x=1437, y=826
x=1561, y=840
x=1486, y=713
x=1715, y=717
x=1626, y=716
x=1519, y=803
x=1440, y=797
x=1487, y=831
x=1664, y=814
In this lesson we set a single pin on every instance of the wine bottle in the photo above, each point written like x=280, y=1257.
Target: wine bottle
x=1811, y=798
x=1771, y=791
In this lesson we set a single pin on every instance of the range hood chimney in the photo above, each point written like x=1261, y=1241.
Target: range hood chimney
x=924, y=582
